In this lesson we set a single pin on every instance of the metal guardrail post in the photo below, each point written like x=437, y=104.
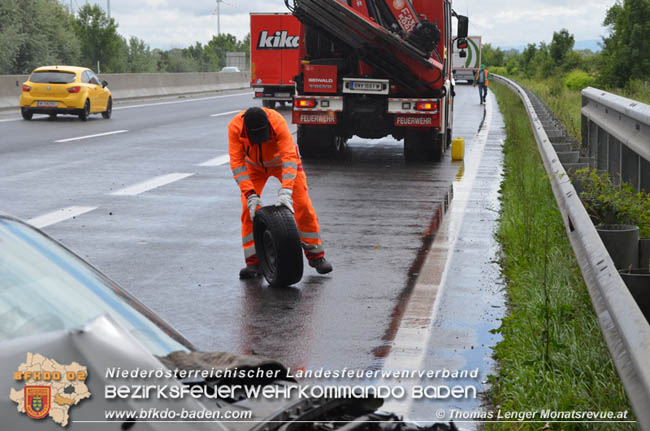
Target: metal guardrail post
x=621, y=128
x=625, y=329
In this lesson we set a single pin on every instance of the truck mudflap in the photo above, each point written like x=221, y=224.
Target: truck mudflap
x=388, y=54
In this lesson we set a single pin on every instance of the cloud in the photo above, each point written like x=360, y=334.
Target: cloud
x=166, y=24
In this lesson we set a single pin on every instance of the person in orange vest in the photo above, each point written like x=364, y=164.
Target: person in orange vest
x=260, y=145
x=482, y=79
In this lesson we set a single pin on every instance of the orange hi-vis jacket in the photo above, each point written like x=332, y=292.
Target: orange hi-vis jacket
x=248, y=158
x=253, y=164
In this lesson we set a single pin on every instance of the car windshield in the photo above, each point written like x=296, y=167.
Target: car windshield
x=44, y=287
x=52, y=77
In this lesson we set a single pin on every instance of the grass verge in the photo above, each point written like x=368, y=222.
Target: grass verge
x=552, y=355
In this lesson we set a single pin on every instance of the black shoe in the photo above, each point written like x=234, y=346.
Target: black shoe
x=322, y=266
x=250, y=271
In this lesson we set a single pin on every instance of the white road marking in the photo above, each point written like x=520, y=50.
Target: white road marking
x=58, y=216
x=173, y=102
x=217, y=161
x=151, y=184
x=225, y=113
x=6, y=120
x=410, y=345
x=78, y=138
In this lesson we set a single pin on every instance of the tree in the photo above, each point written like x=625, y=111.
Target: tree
x=527, y=57
x=491, y=56
x=626, y=51
x=561, y=44
x=35, y=33
x=100, y=41
x=140, y=58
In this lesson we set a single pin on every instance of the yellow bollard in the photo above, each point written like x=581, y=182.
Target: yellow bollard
x=458, y=149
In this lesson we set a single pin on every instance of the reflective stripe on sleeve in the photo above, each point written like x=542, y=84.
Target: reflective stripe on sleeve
x=242, y=178
x=288, y=176
x=310, y=235
x=289, y=165
x=239, y=170
x=247, y=239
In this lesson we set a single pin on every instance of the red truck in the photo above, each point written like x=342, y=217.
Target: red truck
x=374, y=68
x=274, y=56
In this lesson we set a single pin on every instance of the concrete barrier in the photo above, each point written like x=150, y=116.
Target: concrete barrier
x=126, y=86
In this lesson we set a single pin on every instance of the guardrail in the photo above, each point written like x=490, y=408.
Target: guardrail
x=625, y=329
x=141, y=85
x=616, y=132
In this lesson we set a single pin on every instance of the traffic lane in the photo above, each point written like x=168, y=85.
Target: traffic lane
x=74, y=173
x=374, y=212
x=41, y=132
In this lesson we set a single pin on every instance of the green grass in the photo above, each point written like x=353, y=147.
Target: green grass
x=552, y=355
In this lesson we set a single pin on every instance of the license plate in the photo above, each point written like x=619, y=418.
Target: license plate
x=365, y=86
x=47, y=104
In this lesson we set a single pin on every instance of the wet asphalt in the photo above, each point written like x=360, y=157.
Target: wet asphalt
x=178, y=248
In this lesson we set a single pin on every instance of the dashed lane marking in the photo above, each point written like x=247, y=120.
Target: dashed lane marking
x=151, y=184
x=78, y=138
x=58, y=216
x=173, y=102
x=217, y=161
x=6, y=120
x=225, y=113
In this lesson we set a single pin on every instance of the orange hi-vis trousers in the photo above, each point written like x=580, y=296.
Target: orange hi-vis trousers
x=305, y=216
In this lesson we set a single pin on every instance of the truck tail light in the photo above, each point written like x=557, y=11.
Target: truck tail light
x=75, y=89
x=304, y=103
x=259, y=94
x=426, y=106
x=27, y=88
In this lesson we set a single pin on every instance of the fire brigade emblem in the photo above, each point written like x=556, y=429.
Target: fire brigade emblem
x=398, y=4
x=37, y=401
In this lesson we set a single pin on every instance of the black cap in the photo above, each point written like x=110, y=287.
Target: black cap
x=257, y=125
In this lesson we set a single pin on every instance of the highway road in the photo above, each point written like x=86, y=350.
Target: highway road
x=148, y=198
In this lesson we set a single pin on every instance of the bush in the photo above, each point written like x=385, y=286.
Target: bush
x=608, y=203
x=578, y=79
x=499, y=70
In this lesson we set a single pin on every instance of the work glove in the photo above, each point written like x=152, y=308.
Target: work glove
x=284, y=199
x=253, y=202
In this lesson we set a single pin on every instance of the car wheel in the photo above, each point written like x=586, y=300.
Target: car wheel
x=27, y=114
x=109, y=109
x=86, y=112
x=277, y=244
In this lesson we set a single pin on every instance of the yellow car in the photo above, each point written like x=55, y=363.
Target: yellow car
x=72, y=90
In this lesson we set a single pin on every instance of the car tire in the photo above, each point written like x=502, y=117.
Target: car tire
x=278, y=247
x=83, y=116
x=27, y=114
x=109, y=109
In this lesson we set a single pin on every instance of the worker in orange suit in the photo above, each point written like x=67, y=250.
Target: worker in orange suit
x=260, y=146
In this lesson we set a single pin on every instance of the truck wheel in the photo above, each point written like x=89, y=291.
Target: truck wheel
x=277, y=243
x=320, y=141
x=268, y=104
x=423, y=145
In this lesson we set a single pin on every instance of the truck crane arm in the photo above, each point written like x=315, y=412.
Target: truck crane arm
x=396, y=42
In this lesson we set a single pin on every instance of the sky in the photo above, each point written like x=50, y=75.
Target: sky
x=505, y=23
